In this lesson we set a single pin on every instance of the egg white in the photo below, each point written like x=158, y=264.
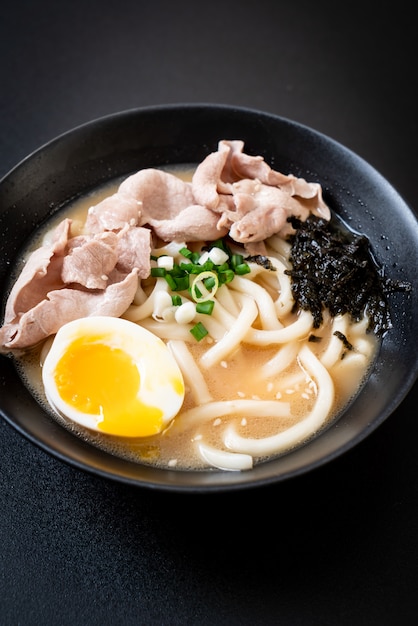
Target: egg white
x=161, y=381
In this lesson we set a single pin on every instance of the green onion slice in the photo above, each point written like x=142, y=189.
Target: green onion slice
x=176, y=300
x=199, y=331
x=242, y=268
x=205, y=307
x=158, y=272
x=198, y=289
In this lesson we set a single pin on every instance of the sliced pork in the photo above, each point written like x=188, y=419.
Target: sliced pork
x=162, y=195
x=64, y=305
x=194, y=223
x=253, y=200
x=113, y=213
x=89, y=260
x=134, y=250
x=41, y=273
x=97, y=272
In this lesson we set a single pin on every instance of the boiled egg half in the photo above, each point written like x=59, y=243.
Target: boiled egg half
x=111, y=375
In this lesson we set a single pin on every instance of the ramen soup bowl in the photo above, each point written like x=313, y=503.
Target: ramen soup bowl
x=116, y=146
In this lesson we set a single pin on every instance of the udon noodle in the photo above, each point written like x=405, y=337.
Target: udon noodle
x=263, y=380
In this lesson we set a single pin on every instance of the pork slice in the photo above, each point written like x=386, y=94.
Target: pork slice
x=65, y=305
x=216, y=176
x=207, y=179
x=40, y=274
x=134, y=250
x=195, y=223
x=262, y=210
x=163, y=195
x=255, y=167
x=242, y=165
x=59, y=236
x=113, y=213
x=259, y=224
x=312, y=193
x=90, y=260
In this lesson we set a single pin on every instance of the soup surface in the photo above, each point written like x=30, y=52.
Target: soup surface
x=262, y=380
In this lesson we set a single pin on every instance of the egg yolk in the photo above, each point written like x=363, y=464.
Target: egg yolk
x=98, y=379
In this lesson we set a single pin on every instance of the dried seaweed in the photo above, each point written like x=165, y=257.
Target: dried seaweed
x=343, y=338
x=259, y=259
x=335, y=269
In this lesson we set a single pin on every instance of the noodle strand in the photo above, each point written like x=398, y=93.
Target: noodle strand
x=298, y=330
x=243, y=408
x=299, y=432
x=234, y=336
x=191, y=373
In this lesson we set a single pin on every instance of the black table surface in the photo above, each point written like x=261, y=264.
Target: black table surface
x=334, y=547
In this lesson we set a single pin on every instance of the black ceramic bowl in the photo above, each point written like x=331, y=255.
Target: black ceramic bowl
x=122, y=143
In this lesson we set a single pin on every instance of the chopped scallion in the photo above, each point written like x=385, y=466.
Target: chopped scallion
x=236, y=259
x=176, y=299
x=171, y=282
x=199, y=331
x=205, y=307
x=196, y=292
x=158, y=272
x=186, y=252
x=242, y=268
x=182, y=282
x=226, y=276
x=193, y=268
x=199, y=291
x=200, y=273
x=209, y=282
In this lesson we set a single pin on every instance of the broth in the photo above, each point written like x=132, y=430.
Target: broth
x=249, y=372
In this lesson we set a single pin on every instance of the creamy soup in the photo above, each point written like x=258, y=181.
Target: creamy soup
x=261, y=381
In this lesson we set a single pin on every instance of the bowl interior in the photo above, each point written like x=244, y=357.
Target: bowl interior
x=120, y=144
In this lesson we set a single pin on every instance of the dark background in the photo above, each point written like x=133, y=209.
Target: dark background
x=336, y=547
